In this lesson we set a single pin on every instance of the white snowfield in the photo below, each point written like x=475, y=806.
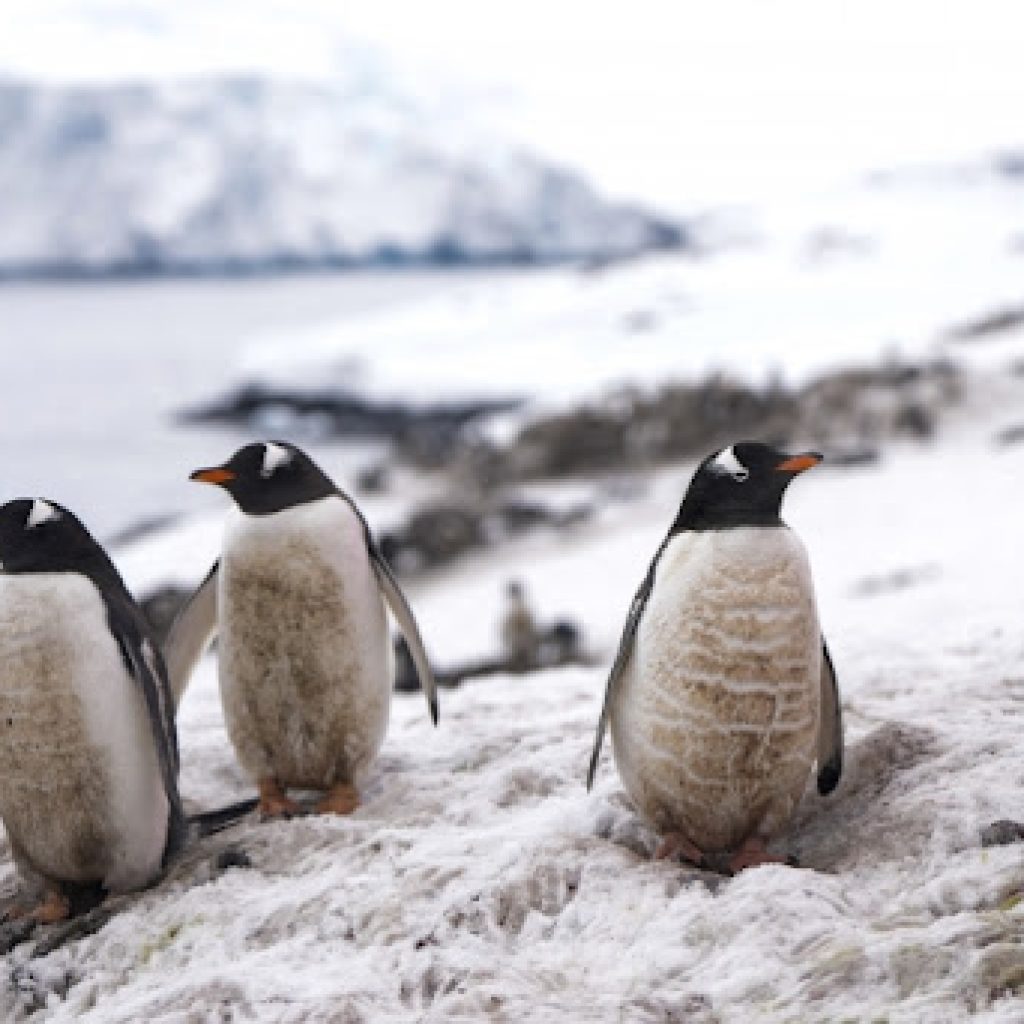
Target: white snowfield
x=479, y=881
x=789, y=288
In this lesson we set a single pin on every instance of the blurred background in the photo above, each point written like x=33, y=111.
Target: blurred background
x=495, y=266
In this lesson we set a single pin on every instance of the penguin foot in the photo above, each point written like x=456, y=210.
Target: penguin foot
x=752, y=854
x=674, y=844
x=339, y=799
x=55, y=907
x=275, y=803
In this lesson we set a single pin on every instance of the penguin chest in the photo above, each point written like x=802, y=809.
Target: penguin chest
x=715, y=720
x=81, y=794
x=305, y=661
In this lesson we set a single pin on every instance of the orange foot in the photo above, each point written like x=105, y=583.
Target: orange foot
x=675, y=843
x=751, y=855
x=54, y=907
x=339, y=799
x=274, y=802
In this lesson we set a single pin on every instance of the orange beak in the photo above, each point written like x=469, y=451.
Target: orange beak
x=216, y=475
x=798, y=463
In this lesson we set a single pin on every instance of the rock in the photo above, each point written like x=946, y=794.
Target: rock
x=915, y=419
x=562, y=644
x=232, y=857
x=138, y=530
x=375, y=479
x=1010, y=435
x=433, y=536
x=999, y=321
x=900, y=579
x=425, y=435
x=1002, y=833
x=858, y=455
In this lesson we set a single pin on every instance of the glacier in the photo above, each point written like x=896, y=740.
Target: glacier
x=245, y=172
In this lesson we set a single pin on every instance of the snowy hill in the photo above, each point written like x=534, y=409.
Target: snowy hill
x=243, y=172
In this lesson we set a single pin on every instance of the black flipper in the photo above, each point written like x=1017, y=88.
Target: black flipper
x=402, y=612
x=191, y=634
x=624, y=653
x=145, y=664
x=830, y=731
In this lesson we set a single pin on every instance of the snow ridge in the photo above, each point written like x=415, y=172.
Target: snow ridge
x=240, y=172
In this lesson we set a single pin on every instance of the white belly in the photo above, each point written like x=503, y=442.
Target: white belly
x=715, y=719
x=81, y=795
x=306, y=663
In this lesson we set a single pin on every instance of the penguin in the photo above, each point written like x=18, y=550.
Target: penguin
x=88, y=747
x=305, y=660
x=723, y=696
x=519, y=634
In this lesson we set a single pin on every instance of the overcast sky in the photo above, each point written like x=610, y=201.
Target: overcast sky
x=679, y=103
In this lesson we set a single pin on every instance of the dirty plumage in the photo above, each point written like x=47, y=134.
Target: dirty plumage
x=722, y=696
x=88, y=791
x=298, y=599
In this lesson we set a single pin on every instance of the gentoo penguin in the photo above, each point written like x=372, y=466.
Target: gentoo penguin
x=88, y=748
x=519, y=635
x=305, y=659
x=722, y=695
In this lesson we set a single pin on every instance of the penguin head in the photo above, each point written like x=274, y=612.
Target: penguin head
x=38, y=535
x=268, y=476
x=741, y=485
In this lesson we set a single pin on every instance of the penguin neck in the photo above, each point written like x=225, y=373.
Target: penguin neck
x=262, y=501
x=698, y=516
x=93, y=564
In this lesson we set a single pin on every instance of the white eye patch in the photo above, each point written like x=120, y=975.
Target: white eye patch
x=274, y=456
x=727, y=463
x=41, y=512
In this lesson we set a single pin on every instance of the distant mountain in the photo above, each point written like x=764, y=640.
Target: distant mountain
x=247, y=173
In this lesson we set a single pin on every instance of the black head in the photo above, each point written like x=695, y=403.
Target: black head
x=38, y=535
x=269, y=476
x=741, y=485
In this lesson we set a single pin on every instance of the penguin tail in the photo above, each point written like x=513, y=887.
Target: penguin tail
x=208, y=823
x=828, y=778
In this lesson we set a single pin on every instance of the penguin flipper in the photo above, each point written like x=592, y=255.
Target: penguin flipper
x=830, y=731
x=145, y=664
x=403, y=614
x=191, y=634
x=622, y=656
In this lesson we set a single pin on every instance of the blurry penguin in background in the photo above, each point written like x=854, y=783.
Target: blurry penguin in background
x=519, y=637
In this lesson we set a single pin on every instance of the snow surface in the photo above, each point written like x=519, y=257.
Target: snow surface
x=217, y=172
x=479, y=881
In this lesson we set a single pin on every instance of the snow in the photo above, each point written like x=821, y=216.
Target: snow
x=791, y=288
x=243, y=170
x=479, y=880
